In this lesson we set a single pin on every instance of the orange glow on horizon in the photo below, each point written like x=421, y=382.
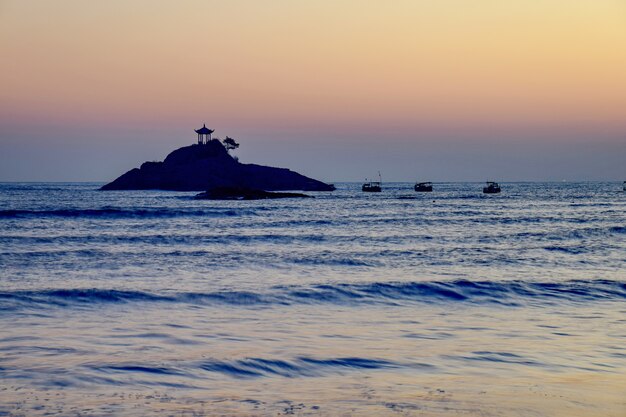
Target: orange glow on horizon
x=452, y=63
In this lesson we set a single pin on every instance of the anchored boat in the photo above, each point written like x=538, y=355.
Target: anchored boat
x=373, y=186
x=423, y=187
x=491, y=188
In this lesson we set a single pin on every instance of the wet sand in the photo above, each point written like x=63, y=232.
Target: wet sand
x=374, y=394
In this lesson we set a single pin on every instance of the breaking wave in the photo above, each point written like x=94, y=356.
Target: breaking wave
x=122, y=213
x=510, y=293
x=254, y=367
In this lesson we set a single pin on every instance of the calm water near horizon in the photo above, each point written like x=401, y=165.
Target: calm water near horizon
x=453, y=302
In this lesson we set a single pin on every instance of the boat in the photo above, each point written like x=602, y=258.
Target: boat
x=624, y=186
x=424, y=186
x=373, y=186
x=491, y=188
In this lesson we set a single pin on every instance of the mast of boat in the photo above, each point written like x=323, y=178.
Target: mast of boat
x=380, y=179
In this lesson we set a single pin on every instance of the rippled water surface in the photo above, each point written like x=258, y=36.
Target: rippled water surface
x=399, y=303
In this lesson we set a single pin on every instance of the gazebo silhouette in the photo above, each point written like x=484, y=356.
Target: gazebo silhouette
x=204, y=134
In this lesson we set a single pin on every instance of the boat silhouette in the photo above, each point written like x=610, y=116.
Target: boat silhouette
x=491, y=188
x=373, y=186
x=423, y=187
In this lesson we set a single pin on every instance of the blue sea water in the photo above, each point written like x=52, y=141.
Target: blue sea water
x=443, y=303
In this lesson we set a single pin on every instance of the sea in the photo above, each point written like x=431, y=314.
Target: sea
x=449, y=303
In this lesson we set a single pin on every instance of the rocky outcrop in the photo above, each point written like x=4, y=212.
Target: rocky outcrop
x=238, y=193
x=208, y=166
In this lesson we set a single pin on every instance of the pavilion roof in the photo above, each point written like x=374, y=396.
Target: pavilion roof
x=204, y=130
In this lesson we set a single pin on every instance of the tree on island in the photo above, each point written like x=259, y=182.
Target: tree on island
x=229, y=143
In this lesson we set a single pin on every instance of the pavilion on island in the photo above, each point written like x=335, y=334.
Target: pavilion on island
x=204, y=135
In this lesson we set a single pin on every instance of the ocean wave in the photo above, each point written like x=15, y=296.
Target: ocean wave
x=123, y=213
x=508, y=293
x=502, y=357
x=569, y=250
x=618, y=229
x=301, y=366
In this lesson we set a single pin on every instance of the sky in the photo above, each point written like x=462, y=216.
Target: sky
x=447, y=90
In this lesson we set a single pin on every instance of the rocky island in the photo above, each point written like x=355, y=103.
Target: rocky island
x=208, y=165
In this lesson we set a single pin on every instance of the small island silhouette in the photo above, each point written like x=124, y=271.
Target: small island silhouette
x=207, y=165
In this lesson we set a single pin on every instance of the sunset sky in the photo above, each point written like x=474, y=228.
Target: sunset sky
x=420, y=90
